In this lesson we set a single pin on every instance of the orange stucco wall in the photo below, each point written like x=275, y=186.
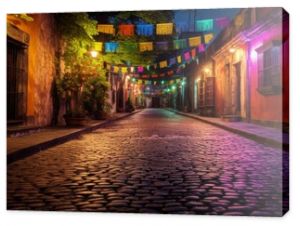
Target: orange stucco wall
x=41, y=65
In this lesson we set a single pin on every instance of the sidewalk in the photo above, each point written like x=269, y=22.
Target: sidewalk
x=265, y=135
x=26, y=145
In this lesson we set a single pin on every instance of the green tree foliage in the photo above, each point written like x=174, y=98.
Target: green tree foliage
x=77, y=31
x=94, y=95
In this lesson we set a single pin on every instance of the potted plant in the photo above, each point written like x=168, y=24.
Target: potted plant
x=95, y=97
x=69, y=88
x=129, y=106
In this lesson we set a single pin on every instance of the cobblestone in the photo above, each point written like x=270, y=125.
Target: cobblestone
x=154, y=162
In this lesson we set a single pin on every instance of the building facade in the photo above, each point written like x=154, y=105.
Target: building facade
x=31, y=51
x=244, y=73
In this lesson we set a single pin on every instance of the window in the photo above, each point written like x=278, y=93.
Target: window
x=270, y=69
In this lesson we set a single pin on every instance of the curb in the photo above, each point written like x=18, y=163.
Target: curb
x=28, y=151
x=263, y=140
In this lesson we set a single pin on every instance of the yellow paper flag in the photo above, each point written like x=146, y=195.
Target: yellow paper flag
x=164, y=29
x=116, y=69
x=98, y=46
x=194, y=41
x=146, y=46
x=179, y=59
x=163, y=64
x=106, y=28
x=124, y=70
x=208, y=37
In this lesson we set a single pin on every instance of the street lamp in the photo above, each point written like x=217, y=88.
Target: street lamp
x=94, y=53
x=206, y=70
x=232, y=50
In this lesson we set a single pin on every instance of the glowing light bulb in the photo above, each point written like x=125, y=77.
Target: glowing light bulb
x=94, y=53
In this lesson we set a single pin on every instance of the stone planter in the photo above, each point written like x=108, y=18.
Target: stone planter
x=74, y=121
x=101, y=115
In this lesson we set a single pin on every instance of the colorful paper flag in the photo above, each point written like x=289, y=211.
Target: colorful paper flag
x=193, y=53
x=179, y=59
x=140, y=69
x=106, y=28
x=163, y=64
x=146, y=46
x=126, y=29
x=124, y=70
x=116, y=69
x=172, y=61
x=201, y=48
x=222, y=22
x=111, y=47
x=179, y=44
x=194, y=41
x=182, y=27
x=170, y=73
x=204, y=25
x=98, y=46
x=164, y=29
x=144, y=29
x=208, y=37
x=162, y=45
x=187, y=56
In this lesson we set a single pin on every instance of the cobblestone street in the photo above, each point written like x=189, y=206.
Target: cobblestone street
x=152, y=162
